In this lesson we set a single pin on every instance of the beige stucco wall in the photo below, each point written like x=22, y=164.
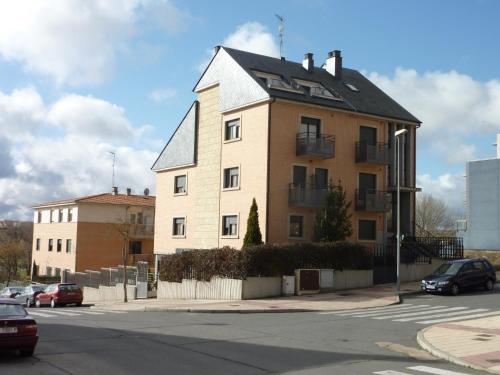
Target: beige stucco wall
x=109, y=213
x=346, y=127
x=205, y=202
x=43, y=258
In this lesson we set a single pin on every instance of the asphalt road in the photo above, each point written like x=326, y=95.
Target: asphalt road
x=84, y=341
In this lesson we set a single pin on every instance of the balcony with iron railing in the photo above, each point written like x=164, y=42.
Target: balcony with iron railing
x=141, y=230
x=372, y=200
x=319, y=146
x=308, y=196
x=373, y=154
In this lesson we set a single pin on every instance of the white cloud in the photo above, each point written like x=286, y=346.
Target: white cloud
x=76, y=41
x=75, y=161
x=162, y=95
x=252, y=37
x=450, y=188
x=452, y=107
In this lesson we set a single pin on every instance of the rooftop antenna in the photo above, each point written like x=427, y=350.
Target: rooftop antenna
x=113, y=177
x=281, y=30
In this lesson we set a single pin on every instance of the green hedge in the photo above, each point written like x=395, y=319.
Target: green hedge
x=264, y=260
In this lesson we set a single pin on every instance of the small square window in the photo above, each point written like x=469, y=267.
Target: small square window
x=232, y=130
x=230, y=225
x=231, y=178
x=179, y=226
x=59, y=246
x=51, y=244
x=37, y=244
x=68, y=245
x=367, y=230
x=135, y=247
x=180, y=185
x=296, y=226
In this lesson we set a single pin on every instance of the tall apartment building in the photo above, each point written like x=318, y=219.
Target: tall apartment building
x=282, y=132
x=86, y=233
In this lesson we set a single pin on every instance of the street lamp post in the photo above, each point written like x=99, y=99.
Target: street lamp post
x=397, y=134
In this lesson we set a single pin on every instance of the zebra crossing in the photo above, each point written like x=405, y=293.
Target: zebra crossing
x=417, y=313
x=420, y=370
x=70, y=312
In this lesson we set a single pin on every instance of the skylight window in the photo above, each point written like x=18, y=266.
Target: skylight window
x=351, y=87
x=274, y=81
x=318, y=90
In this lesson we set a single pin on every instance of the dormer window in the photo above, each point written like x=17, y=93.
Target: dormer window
x=351, y=87
x=318, y=90
x=274, y=81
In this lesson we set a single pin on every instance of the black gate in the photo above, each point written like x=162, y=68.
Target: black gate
x=384, y=264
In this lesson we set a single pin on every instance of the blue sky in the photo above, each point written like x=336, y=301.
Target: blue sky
x=81, y=78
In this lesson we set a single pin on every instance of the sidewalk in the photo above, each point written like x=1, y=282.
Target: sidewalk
x=378, y=296
x=471, y=343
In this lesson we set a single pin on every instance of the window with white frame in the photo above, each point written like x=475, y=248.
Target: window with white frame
x=230, y=225
x=231, y=178
x=59, y=245
x=60, y=216
x=70, y=215
x=52, y=216
x=37, y=244
x=180, y=184
x=68, y=245
x=51, y=244
x=232, y=129
x=296, y=226
x=179, y=226
x=39, y=216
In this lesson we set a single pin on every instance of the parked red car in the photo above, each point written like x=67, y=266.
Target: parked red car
x=18, y=330
x=60, y=295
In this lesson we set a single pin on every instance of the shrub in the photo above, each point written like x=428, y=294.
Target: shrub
x=263, y=260
x=253, y=236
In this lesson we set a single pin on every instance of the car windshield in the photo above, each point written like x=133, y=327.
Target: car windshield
x=7, y=309
x=448, y=269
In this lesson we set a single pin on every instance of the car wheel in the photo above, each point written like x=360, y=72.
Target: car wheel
x=455, y=289
x=489, y=285
x=37, y=303
x=53, y=303
x=27, y=352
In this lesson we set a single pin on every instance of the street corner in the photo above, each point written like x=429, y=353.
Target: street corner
x=474, y=343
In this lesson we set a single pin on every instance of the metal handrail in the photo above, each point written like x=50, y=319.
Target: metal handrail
x=368, y=153
x=372, y=200
x=321, y=145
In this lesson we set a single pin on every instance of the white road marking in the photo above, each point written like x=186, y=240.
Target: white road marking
x=362, y=310
x=63, y=313
x=40, y=314
x=430, y=312
x=442, y=315
x=436, y=371
x=412, y=308
x=87, y=312
x=463, y=317
x=391, y=372
x=110, y=311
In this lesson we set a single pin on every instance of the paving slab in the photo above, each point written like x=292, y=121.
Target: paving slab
x=471, y=343
x=378, y=296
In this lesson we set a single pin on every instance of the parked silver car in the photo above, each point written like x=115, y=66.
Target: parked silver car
x=11, y=291
x=29, y=293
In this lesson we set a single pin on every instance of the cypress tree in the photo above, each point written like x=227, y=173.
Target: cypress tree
x=253, y=235
x=333, y=223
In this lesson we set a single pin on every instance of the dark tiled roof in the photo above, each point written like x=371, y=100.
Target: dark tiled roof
x=369, y=100
x=106, y=198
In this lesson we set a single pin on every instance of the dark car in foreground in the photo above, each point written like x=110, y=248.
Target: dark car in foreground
x=18, y=331
x=457, y=275
x=60, y=295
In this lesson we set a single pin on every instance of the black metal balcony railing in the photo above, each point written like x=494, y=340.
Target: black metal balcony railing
x=320, y=147
x=375, y=154
x=372, y=200
x=307, y=196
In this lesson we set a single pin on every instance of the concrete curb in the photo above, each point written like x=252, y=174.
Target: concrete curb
x=427, y=346
x=233, y=311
